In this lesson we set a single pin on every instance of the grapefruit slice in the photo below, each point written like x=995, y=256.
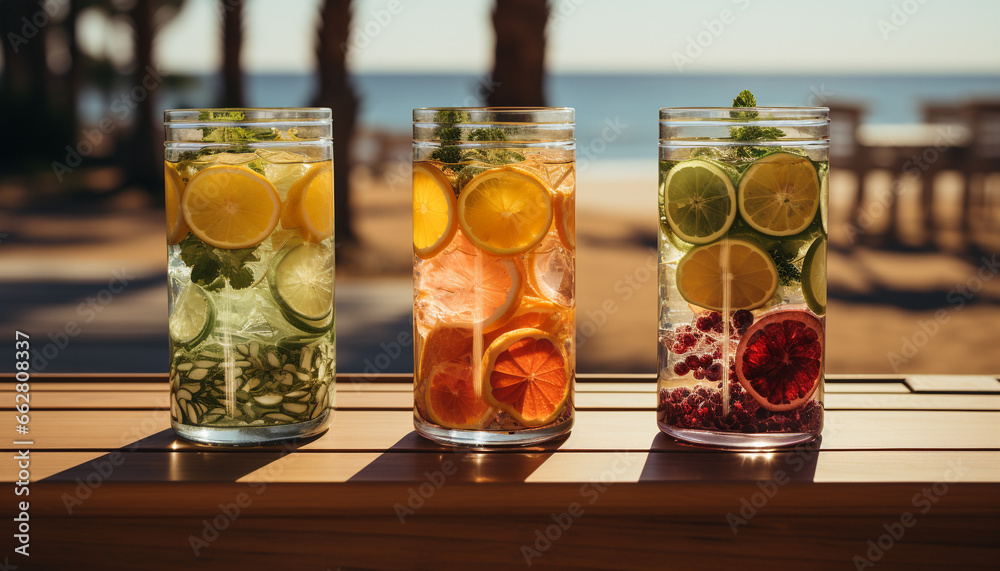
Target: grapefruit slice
x=467, y=286
x=445, y=342
x=526, y=374
x=779, y=360
x=533, y=313
x=451, y=399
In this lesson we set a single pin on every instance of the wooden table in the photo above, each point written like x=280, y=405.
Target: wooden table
x=917, y=458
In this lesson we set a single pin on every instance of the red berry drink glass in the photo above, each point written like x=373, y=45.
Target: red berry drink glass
x=742, y=274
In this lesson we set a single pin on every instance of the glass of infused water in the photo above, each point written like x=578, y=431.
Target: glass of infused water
x=742, y=274
x=494, y=244
x=249, y=204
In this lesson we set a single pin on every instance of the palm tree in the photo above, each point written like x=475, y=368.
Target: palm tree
x=519, y=58
x=144, y=149
x=336, y=92
x=232, y=42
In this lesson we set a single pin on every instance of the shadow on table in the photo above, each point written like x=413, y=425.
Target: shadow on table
x=168, y=457
x=416, y=459
x=669, y=460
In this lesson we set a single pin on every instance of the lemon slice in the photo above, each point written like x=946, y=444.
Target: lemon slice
x=814, y=276
x=192, y=317
x=301, y=283
x=230, y=207
x=698, y=201
x=434, y=221
x=309, y=204
x=505, y=211
x=173, y=187
x=704, y=273
x=779, y=194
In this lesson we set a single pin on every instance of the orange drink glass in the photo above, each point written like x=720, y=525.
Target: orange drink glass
x=494, y=244
x=249, y=197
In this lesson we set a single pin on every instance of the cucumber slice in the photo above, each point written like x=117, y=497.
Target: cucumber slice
x=301, y=283
x=192, y=318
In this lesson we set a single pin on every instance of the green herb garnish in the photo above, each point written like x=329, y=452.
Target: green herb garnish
x=751, y=132
x=212, y=267
x=450, y=136
x=788, y=272
x=233, y=134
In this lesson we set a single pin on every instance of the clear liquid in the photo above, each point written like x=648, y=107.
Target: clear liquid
x=701, y=352
x=255, y=371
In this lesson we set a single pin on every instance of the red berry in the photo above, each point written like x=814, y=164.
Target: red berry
x=679, y=348
x=705, y=361
x=699, y=374
x=715, y=316
x=742, y=319
x=692, y=362
x=704, y=323
x=688, y=339
x=681, y=369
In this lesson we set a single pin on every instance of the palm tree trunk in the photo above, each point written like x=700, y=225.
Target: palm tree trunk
x=145, y=148
x=337, y=93
x=519, y=58
x=24, y=95
x=232, y=43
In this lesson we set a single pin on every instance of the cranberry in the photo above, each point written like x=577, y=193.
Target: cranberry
x=705, y=361
x=715, y=316
x=681, y=369
x=688, y=339
x=699, y=374
x=714, y=372
x=679, y=348
x=718, y=327
x=704, y=323
x=692, y=362
x=717, y=354
x=742, y=319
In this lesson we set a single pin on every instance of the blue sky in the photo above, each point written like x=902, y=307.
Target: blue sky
x=659, y=36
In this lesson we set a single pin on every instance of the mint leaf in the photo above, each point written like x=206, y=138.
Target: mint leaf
x=233, y=134
x=212, y=267
x=788, y=273
x=750, y=132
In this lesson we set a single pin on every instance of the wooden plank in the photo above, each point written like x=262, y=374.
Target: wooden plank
x=585, y=400
x=466, y=466
x=953, y=384
x=942, y=539
x=594, y=430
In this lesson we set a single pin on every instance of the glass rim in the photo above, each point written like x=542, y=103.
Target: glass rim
x=513, y=115
x=728, y=113
x=191, y=116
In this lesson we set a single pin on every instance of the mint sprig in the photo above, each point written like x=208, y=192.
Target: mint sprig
x=750, y=132
x=233, y=134
x=212, y=267
x=450, y=135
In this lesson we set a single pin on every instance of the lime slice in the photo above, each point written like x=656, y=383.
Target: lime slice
x=698, y=201
x=814, y=276
x=192, y=317
x=779, y=194
x=301, y=282
x=824, y=200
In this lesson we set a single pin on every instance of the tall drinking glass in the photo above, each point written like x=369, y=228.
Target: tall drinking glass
x=494, y=242
x=249, y=201
x=742, y=300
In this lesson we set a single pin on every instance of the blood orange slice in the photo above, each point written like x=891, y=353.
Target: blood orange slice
x=526, y=374
x=466, y=285
x=780, y=359
x=451, y=397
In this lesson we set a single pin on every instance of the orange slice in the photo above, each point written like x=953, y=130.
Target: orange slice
x=526, y=374
x=464, y=285
x=565, y=217
x=230, y=207
x=706, y=272
x=505, y=211
x=533, y=313
x=445, y=342
x=451, y=398
x=173, y=187
x=434, y=221
x=309, y=204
